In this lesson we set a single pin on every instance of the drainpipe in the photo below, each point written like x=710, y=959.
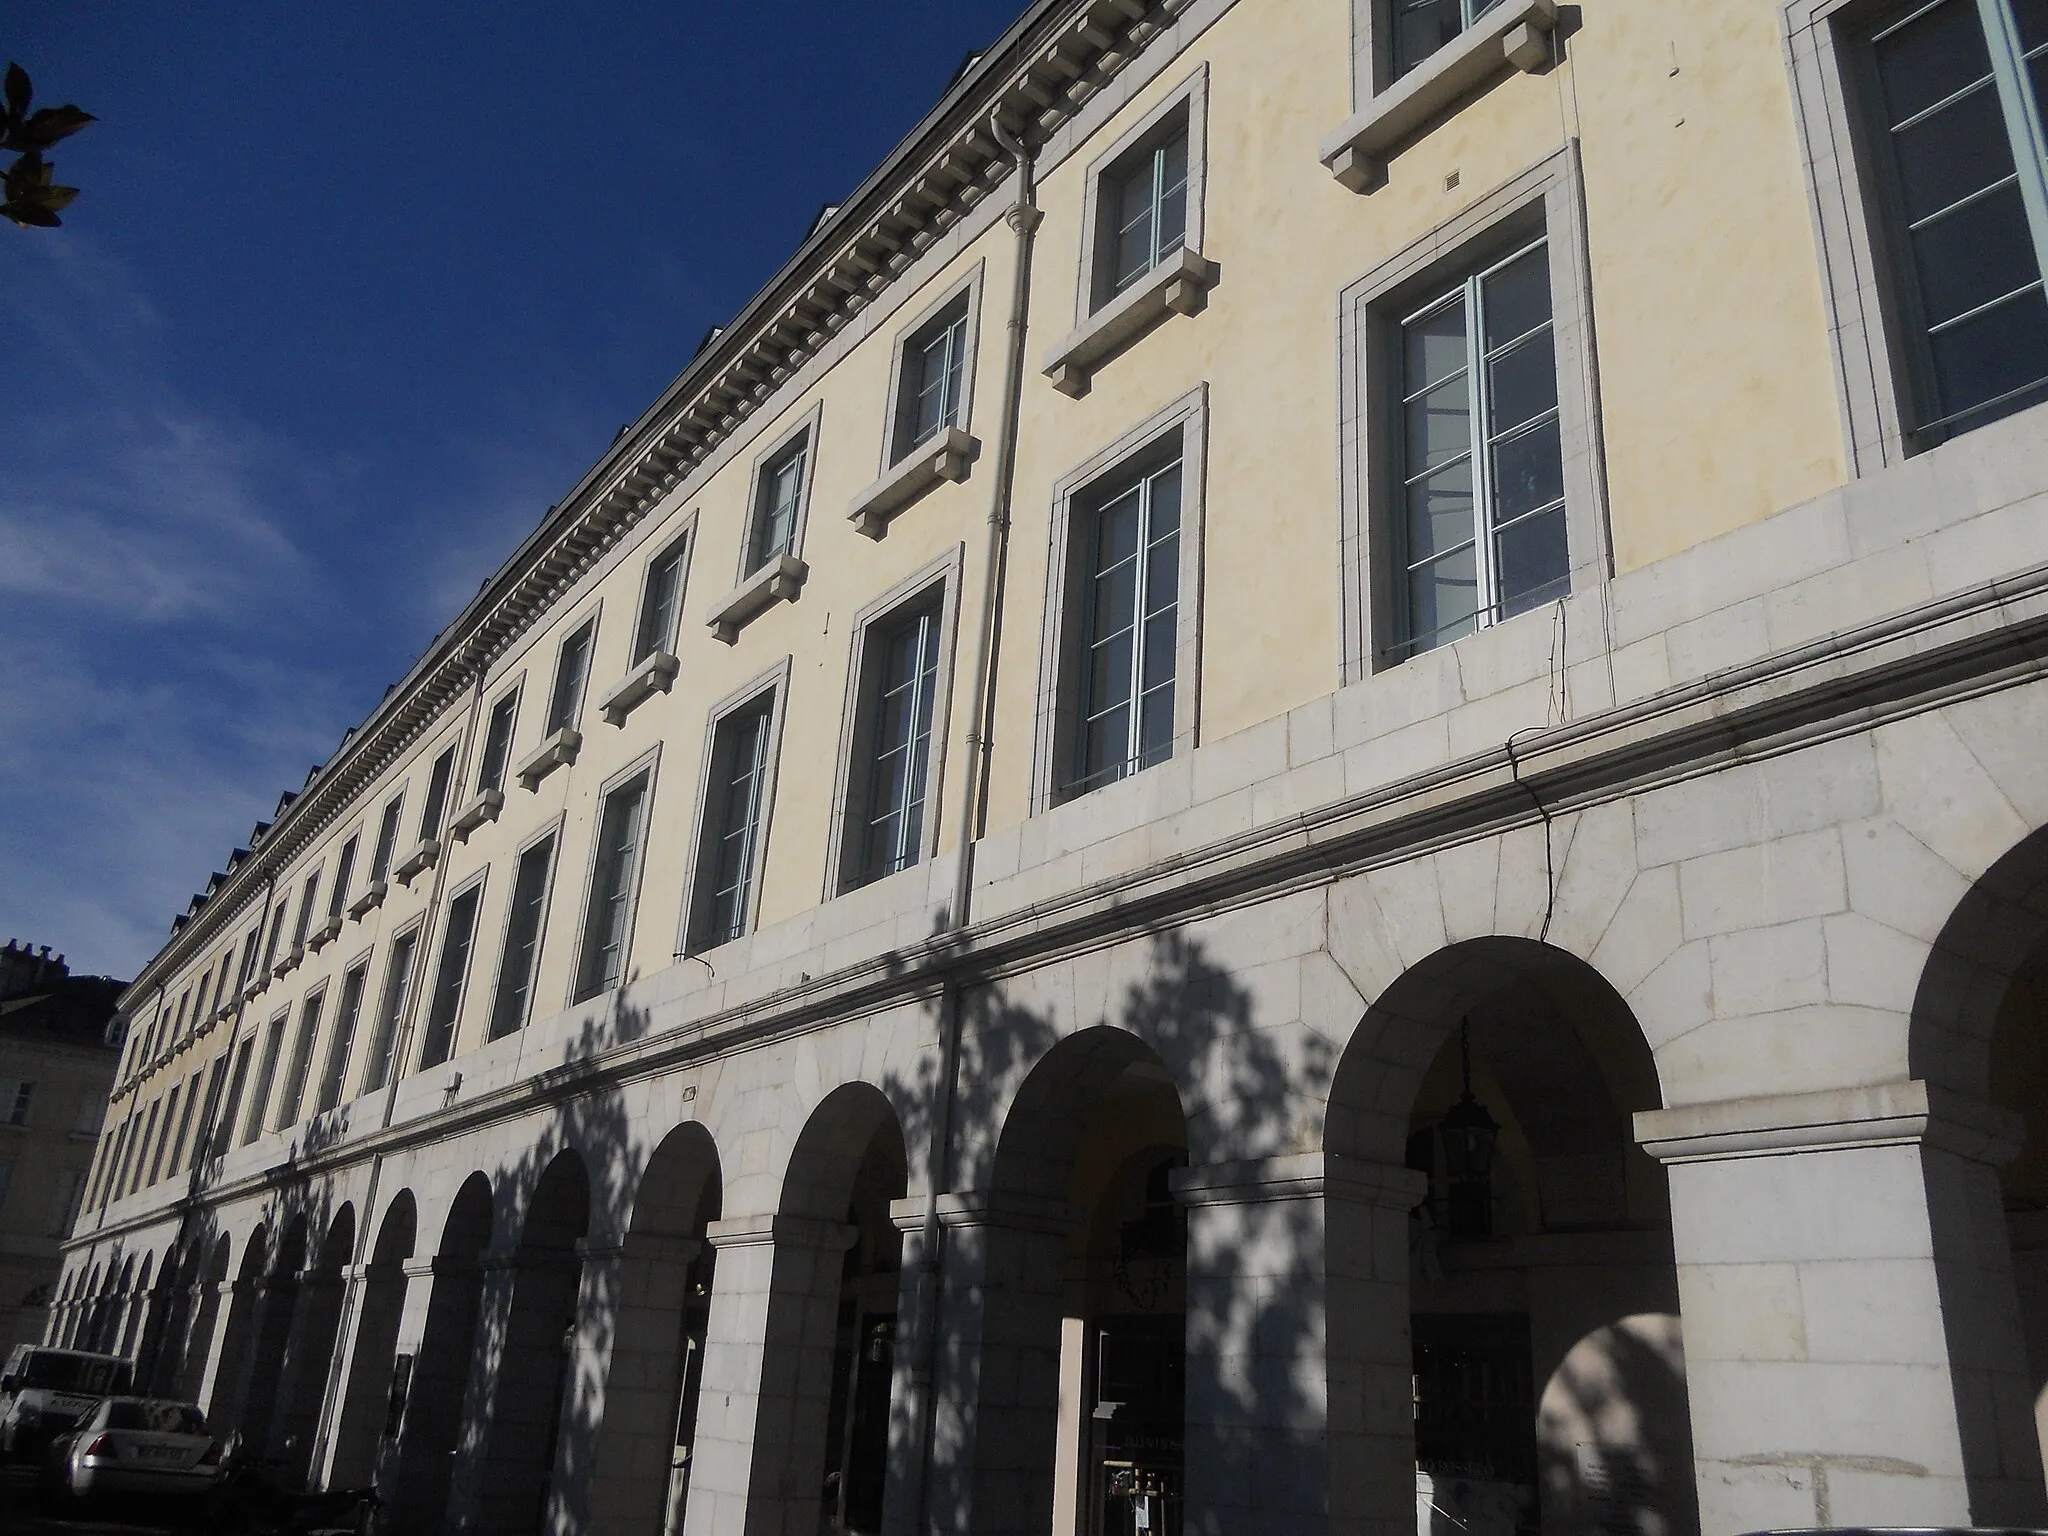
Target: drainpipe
x=1022, y=217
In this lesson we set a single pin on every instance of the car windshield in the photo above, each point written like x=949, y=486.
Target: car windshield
x=156, y=1417
x=95, y=1374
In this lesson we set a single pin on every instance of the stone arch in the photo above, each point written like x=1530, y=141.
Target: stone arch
x=276, y=1303
x=134, y=1306
x=196, y=1347
x=414, y=1478
x=314, y=1330
x=366, y=1390
x=238, y=1336
x=1988, y=941
x=662, y=1303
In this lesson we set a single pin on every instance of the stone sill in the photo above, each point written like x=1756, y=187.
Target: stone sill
x=483, y=808
x=324, y=935
x=1517, y=34
x=423, y=855
x=371, y=899
x=290, y=962
x=779, y=581
x=1179, y=285
x=945, y=455
x=558, y=751
x=657, y=674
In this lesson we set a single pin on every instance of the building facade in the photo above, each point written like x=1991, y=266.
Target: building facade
x=1308, y=777
x=58, y=1050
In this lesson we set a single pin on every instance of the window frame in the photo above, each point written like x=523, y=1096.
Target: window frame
x=1189, y=97
x=1062, y=640
x=681, y=542
x=964, y=290
x=298, y=1070
x=643, y=766
x=433, y=823
x=803, y=430
x=552, y=831
x=475, y=885
x=1545, y=199
x=331, y=1071
x=1862, y=285
x=385, y=850
x=408, y=979
x=586, y=620
x=256, y=1114
x=516, y=694
x=850, y=779
x=773, y=685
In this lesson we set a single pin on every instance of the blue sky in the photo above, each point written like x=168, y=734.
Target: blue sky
x=350, y=295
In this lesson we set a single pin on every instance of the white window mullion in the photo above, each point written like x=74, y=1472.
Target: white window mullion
x=1481, y=450
x=2023, y=121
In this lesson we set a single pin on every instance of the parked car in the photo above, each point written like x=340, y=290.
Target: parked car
x=44, y=1392
x=131, y=1445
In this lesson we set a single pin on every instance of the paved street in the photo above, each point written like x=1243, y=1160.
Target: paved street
x=19, y=1515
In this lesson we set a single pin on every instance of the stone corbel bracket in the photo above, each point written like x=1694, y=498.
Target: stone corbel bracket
x=325, y=934
x=290, y=962
x=1516, y=34
x=422, y=857
x=1179, y=285
x=558, y=751
x=947, y=455
x=483, y=808
x=657, y=674
x=372, y=897
x=779, y=581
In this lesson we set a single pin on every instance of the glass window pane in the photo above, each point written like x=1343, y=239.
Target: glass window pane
x=1156, y=669
x=1420, y=28
x=446, y=1001
x=1155, y=727
x=1109, y=674
x=1440, y=512
x=522, y=939
x=1516, y=299
x=1534, y=566
x=1439, y=425
x=1434, y=347
x=1162, y=575
x=1930, y=58
x=1443, y=597
x=1163, y=508
x=1528, y=472
x=1106, y=748
x=1992, y=354
x=1978, y=253
x=1521, y=383
x=1959, y=150
x=2032, y=16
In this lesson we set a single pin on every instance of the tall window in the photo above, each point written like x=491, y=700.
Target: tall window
x=605, y=928
x=445, y=1003
x=894, y=738
x=390, y=1011
x=437, y=795
x=661, y=600
x=522, y=939
x=276, y=932
x=222, y=1133
x=1482, y=521
x=387, y=840
x=776, y=498
x=928, y=397
x=1144, y=216
x=185, y=1123
x=345, y=1017
x=163, y=1142
x=301, y=1062
x=344, y=870
x=266, y=1075
x=1131, y=630
x=306, y=900
x=1423, y=26
x=17, y=1096
x=1959, y=89
x=732, y=825
x=490, y=773
x=247, y=969
x=572, y=665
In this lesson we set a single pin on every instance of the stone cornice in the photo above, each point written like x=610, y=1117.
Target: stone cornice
x=1050, y=62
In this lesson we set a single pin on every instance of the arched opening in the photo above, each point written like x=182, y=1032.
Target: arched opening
x=159, y=1366
x=1083, y=1360
x=521, y=1438
x=657, y=1356
x=276, y=1302
x=366, y=1394
x=415, y=1471
x=106, y=1322
x=135, y=1309
x=194, y=1349
x=309, y=1350
x=1544, y=1353
x=238, y=1337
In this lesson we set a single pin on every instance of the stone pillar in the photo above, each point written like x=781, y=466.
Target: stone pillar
x=767, y=1380
x=481, y=1365
x=642, y=1384
x=586, y=1400
x=302, y=1374
x=995, y=1373
x=355, y=1422
x=1852, y=1341
x=438, y=1329
x=227, y=1377
x=1300, y=1416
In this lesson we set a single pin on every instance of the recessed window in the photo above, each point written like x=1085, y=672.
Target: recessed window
x=1421, y=27
x=387, y=840
x=1960, y=116
x=306, y=900
x=437, y=795
x=661, y=601
x=930, y=396
x=344, y=869
x=444, y=1007
x=522, y=939
x=301, y=1061
x=729, y=848
x=1481, y=482
x=390, y=1010
x=778, y=496
x=572, y=666
x=163, y=1140
x=276, y=932
x=1144, y=214
x=497, y=753
x=1131, y=629
x=345, y=1017
x=224, y=1129
x=892, y=740
x=17, y=1095
x=607, y=924
x=266, y=1075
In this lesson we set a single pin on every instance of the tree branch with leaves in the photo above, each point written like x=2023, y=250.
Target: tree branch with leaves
x=32, y=197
